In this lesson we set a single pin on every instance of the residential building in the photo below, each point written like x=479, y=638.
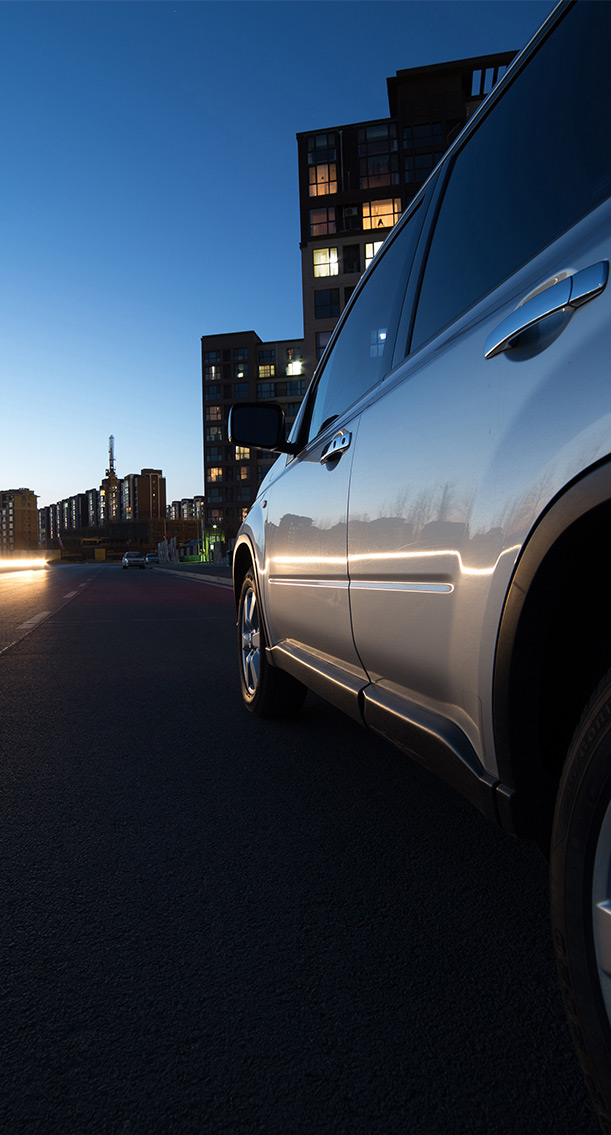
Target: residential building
x=355, y=180
x=235, y=367
x=18, y=520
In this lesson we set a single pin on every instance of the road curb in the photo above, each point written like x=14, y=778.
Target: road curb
x=219, y=580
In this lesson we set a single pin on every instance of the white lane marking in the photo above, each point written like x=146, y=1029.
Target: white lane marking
x=70, y=594
x=34, y=621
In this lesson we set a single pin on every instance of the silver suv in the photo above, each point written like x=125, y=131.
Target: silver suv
x=431, y=551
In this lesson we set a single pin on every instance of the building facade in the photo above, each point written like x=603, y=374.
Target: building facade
x=355, y=180
x=134, y=498
x=18, y=520
x=237, y=367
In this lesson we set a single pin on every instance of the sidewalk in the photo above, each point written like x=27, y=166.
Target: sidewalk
x=200, y=573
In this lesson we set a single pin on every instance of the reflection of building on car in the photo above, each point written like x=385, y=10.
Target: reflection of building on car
x=133, y=559
x=430, y=550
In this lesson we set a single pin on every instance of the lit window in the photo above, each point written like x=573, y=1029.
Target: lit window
x=240, y=370
x=326, y=262
x=268, y=370
x=211, y=373
x=214, y=433
x=295, y=367
x=243, y=473
x=214, y=473
x=322, y=222
x=323, y=179
x=242, y=453
x=381, y=214
x=213, y=414
x=371, y=250
x=243, y=513
x=216, y=516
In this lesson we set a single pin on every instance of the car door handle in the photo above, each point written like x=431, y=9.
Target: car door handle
x=338, y=445
x=571, y=292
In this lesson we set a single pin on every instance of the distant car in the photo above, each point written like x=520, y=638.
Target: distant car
x=152, y=558
x=133, y=559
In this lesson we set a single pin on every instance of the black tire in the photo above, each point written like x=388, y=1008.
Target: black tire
x=266, y=690
x=580, y=880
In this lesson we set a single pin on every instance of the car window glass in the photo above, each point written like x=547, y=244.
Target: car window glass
x=363, y=351
x=536, y=164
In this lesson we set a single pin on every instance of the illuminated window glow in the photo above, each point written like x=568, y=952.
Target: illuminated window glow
x=242, y=453
x=381, y=214
x=323, y=179
x=371, y=250
x=326, y=262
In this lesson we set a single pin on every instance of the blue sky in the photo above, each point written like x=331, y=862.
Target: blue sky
x=149, y=196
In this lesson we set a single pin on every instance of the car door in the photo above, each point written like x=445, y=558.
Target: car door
x=487, y=418
x=305, y=502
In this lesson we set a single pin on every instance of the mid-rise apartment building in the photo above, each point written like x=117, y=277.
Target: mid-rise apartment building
x=237, y=367
x=18, y=520
x=355, y=180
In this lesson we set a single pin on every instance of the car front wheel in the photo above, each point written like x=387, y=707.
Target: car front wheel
x=266, y=690
x=581, y=894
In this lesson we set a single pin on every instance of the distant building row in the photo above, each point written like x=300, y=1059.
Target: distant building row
x=355, y=181
x=138, y=496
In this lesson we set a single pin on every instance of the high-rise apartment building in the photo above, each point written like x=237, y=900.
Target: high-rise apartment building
x=18, y=520
x=355, y=180
x=143, y=495
x=239, y=367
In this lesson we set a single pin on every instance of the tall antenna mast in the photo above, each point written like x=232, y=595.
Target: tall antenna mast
x=113, y=484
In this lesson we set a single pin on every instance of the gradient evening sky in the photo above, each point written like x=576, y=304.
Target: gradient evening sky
x=148, y=196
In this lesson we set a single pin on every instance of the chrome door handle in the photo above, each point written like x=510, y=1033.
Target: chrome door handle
x=571, y=292
x=338, y=445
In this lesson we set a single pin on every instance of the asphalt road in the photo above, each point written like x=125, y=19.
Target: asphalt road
x=217, y=925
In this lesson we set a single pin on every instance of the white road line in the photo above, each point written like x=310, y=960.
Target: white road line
x=70, y=594
x=34, y=621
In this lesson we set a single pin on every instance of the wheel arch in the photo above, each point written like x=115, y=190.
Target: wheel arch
x=553, y=645
x=243, y=559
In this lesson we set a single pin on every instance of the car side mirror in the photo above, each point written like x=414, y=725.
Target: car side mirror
x=259, y=424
